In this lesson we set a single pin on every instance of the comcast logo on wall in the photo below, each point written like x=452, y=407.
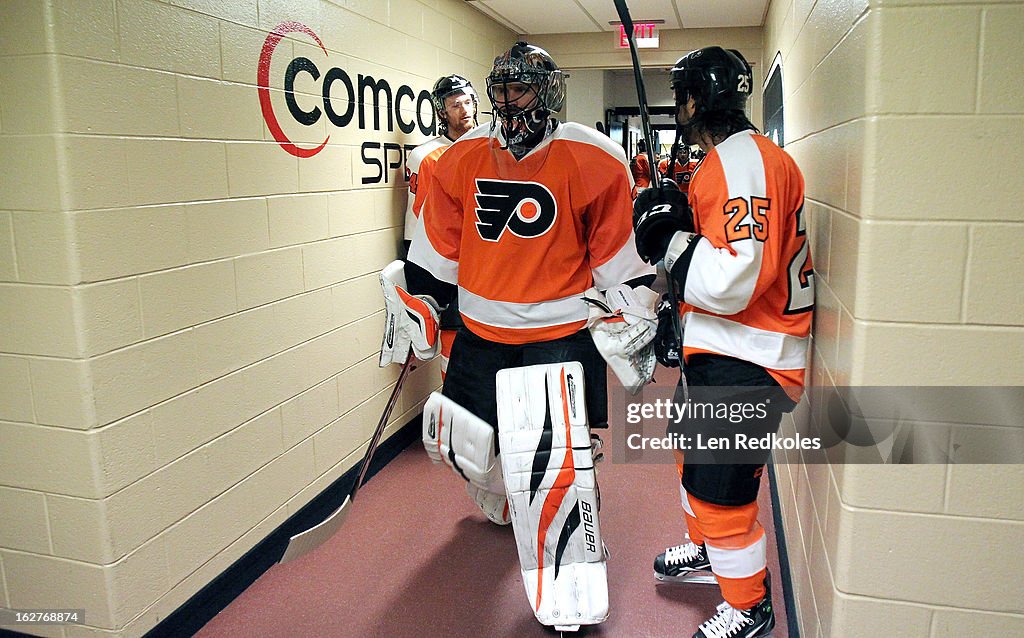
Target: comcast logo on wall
x=362, y=101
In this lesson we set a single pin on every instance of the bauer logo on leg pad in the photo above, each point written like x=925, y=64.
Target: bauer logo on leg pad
x=549, y=471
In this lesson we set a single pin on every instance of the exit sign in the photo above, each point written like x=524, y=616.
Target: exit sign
x=644, y=33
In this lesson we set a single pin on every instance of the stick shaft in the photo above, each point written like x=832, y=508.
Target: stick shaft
x=645, y=123
x=641, y=93
x=375, y=439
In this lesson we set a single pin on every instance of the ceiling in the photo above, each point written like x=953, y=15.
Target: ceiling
x=531, y=17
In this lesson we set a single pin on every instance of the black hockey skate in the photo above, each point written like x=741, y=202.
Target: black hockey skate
x=729, y=622
x=687, y=563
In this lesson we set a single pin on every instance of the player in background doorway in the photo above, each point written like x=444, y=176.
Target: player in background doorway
x=640, y=167
x=682, y=168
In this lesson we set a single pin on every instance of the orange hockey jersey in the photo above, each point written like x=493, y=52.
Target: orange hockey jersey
x=681, y=174
x=749, y=286
x=523, y=240
x=418, y=168
x=640, y=167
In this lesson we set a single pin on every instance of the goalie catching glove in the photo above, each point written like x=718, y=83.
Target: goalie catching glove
x=411, y=321
x=623, y=323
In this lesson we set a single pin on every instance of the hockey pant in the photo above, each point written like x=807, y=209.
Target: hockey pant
x=454, y=436
x=475, y=363
x=549, y=476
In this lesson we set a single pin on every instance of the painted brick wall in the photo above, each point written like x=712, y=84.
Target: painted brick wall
x=189, y=314
x=904, y=120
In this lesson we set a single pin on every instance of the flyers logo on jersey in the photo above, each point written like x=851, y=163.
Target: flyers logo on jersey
x=526, y=209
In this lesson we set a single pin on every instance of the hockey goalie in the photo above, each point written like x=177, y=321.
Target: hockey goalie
x=525, y=224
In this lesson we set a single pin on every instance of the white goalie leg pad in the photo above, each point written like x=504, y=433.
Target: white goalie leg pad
x=461, y=440
x=494, y=505
x=464, y=442
x=552, y=489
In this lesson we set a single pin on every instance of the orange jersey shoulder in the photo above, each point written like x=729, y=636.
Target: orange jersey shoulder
x=418, y=167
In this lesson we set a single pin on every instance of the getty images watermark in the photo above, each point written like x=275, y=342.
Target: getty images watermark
x=736, y=413
x=829, y=424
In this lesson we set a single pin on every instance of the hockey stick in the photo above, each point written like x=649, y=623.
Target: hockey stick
x=645, y=124
x=306, y=541
x=641, y=93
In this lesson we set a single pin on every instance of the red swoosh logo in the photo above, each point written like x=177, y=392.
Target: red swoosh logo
x=263, y=84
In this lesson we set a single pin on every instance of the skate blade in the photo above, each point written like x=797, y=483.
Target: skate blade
x=693, y=578
x=569, y=628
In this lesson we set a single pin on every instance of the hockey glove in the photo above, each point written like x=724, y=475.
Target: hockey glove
x=666, y=343
x=411, y=321
x=658, y=213
x=623, y=323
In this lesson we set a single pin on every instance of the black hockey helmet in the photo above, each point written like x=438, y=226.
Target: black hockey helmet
x=446, y=86
x=531, y=65
x=718, y=79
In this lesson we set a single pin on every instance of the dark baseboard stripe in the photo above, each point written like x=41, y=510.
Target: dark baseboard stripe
x=780, y=540
x=218, y=594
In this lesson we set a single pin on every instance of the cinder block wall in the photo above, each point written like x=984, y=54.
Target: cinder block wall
x=906, y=119
x=189, y=314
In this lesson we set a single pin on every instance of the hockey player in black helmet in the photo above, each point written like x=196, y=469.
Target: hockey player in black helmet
x=455, y=102
x=741, y=262
x=719, y=82
x=526, y=88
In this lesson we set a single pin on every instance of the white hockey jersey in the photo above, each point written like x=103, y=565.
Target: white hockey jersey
x=749, y=283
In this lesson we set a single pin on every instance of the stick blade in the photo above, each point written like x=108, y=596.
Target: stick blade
x=305, y=542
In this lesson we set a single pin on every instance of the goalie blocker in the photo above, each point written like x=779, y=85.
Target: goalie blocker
x=552, y=489
x=411, y=321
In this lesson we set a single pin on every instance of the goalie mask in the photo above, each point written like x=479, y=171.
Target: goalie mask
x=525, y=87
x=717, y=79
x=445, y=87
